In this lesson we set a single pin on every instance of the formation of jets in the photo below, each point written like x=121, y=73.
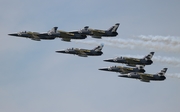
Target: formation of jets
x=67, y=36
x=136, y=69
x=50, y=35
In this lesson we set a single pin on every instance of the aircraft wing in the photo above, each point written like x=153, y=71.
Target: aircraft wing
x=81, y=53
x=66, y=34
x=133, y=65
x=121, y=70
x=34, y=36
x=66, y=39
x=125, y=70
x=145, y=77
x=132, y=60
x=97, y=32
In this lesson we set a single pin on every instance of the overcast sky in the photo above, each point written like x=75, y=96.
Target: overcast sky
x=34, y=78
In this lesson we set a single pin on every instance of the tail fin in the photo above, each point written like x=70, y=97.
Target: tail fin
x=163, y=71
x=114, y=28
x=53, y=30
x=99, y=48
x=149, y=56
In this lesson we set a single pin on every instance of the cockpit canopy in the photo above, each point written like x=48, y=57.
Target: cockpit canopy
x=84, y=30
x=112, y=67
x=22, y=32
x=70, y=48
x=118, y=58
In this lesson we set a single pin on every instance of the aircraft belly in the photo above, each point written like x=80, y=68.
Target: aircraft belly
x=93, y=53
x=130, y=76
x=135, y=76
x=47, y=38
x=66, y=52
x=26, y=36
x=158, y=79
x=108, y=35
x=71, y=52
x=146, y=77
x=78, y=37
x=120, y=61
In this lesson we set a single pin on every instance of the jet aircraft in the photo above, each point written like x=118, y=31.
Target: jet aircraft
x=124, y=70
x=84, y=52
x=146, y=77
x=133, y=61
x=35, y=35
x=96, y=33
x=52, y=34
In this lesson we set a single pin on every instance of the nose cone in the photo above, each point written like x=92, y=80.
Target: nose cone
x=122, y=75
x=13, y=34
x=104, y=69
x=109, y=60
x=60, y=51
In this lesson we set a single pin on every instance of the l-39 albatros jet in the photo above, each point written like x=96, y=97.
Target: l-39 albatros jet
x=147, y=77
x=84, y=52
x=124, y=70
x=35, y=35
x=133, y=61
x=52, y=34
x=95, y=33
